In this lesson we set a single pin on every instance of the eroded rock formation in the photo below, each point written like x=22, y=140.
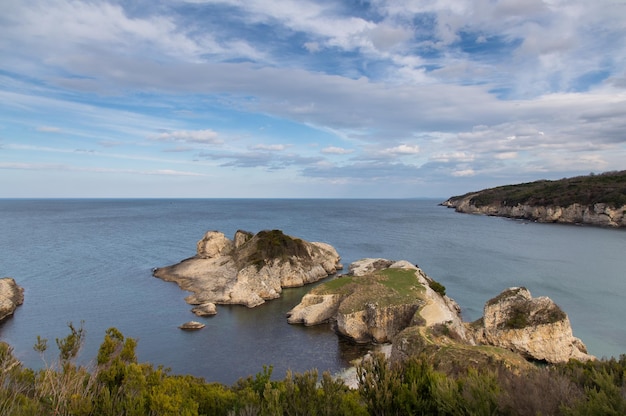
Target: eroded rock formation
x=536, y=328
x=249, y=269
x=377, y=300
x=11, y=296
x=384, y=301
x=599, y=214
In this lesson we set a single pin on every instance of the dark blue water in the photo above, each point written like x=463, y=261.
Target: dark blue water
x=91, y=260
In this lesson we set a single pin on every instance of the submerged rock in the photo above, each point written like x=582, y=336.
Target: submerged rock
x=251, y=268
x=11, y=296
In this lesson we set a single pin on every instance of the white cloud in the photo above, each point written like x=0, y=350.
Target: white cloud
x=334, y=150
x=403, y=149
x=270, y=147
x=312, y=46
x=190, y=136
x=49, y=129
x=473, y=88
x=70, y=168
x=452, y=156
x=506, y=155
x=463, y=173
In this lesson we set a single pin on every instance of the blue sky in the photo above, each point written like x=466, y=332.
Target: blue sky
x=307, y=99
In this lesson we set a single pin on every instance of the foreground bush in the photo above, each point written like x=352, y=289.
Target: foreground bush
x=116, y=384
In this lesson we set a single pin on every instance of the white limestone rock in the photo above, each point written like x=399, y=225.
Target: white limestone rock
x=205, y=309
x=11, y=296
x=536, y=328
x=250, y=270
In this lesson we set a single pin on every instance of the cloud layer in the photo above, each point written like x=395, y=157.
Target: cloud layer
x=308, y=98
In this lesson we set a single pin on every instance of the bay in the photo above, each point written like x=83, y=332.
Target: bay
x=91, y=261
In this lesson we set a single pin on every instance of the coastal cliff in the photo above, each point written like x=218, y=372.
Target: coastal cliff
x=536, y=328
x=11, y=296
x=375, y=301
x=249, y=269
x=598, y=200
x=383, y=301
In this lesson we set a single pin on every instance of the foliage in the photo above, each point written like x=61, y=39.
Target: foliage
x=608, y=188
x=274, y=244
x=116, y=384
x=437, y=287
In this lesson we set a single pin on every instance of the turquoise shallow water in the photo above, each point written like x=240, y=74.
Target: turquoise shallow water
x=91, y=260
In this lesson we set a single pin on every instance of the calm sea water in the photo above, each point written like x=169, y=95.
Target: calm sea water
x=91, y=261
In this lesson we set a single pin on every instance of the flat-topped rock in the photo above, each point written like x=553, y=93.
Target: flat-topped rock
x=251, y=268
x=192, y=326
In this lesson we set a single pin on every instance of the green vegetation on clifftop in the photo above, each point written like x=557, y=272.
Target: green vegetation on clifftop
x=608, y=188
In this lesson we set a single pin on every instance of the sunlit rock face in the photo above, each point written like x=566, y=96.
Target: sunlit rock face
x=249, y=269
x=536, y=328
x=377, y=300
x=599, y=214
x=11, y=296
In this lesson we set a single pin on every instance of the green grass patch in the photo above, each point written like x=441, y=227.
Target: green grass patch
x=338, y=286
x=400, y=280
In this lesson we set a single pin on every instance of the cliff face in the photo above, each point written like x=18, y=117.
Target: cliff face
x=249, y=269
x=375, y=301
x=598, y=214
x=11, y=296
x=384, y=301
x=536, y=328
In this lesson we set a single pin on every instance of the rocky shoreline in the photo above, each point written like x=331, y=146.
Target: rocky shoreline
x=599, y=214
x=378, y=301
x=371, y=304
x=248, y=270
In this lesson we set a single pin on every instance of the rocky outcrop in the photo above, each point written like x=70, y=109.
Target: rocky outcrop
x=249, y=269
x=384, y=301
x=377, y=300
x=599, y=214
x=536, y=328
x=11, y=296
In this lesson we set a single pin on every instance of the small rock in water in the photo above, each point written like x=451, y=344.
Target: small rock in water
x=192, y=325
x=206, y=309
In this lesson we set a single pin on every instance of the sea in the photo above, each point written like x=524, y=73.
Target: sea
x=89, y=262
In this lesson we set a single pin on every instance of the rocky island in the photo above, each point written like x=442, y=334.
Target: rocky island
x=249, y=269
x=594, y=200
x=384, y=301
x=11, y=296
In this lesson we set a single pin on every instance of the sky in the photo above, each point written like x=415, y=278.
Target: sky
x=306, y=99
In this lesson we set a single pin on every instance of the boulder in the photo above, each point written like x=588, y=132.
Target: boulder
x=251, y=269
x=192, y=326
x=536, y=328
x=206, y=309
x=11, y=296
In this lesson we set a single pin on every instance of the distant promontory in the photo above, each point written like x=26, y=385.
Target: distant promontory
x=598, y=200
